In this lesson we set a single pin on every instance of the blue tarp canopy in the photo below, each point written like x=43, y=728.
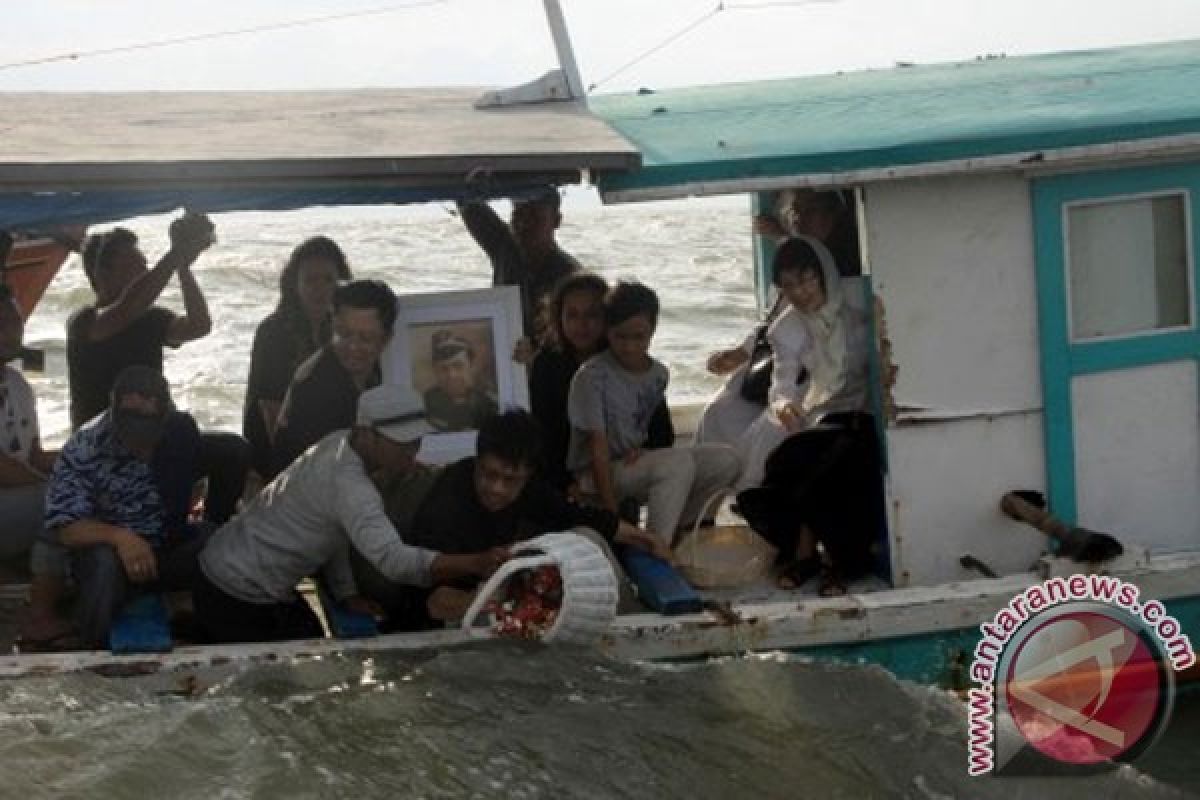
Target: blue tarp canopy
x=96, y=157
x=834, y=125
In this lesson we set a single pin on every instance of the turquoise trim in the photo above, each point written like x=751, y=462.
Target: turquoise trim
x=1057, y=426
x=715, y=171
x=764, y=250
x=1063, y=360
x=1141, y=351
x=829, y=125
x=943, y=658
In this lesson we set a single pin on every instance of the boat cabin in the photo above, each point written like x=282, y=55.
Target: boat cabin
x=1027, y=229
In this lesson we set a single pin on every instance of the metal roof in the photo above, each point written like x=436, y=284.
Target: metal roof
x=147, y=151
x=860, y=125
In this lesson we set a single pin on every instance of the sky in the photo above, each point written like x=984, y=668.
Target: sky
x=504, y=42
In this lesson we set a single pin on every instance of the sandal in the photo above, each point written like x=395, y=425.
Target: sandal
x=798, y=573
x=831, y=584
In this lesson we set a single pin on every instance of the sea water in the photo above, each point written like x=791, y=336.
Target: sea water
x=507, y=721
x=496, y=720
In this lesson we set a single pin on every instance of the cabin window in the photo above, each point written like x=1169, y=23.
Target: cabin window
x=1128, y=266
x=1117, y=315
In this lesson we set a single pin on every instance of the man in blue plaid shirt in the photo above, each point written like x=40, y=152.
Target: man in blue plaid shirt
x=118, y=499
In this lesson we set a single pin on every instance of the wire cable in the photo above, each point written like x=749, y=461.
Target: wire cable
x=674, y=37
x=696, y=23
x=201, y=37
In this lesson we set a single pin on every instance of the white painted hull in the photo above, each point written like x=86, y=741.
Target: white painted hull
x=770, y=625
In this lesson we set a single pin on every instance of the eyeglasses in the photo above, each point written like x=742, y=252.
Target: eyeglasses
x=367, y=339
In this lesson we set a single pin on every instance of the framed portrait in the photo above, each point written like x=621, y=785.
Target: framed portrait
x=455, y=349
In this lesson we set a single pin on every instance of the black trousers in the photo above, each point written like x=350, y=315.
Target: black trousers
x=223, y=458
x=828, y=479
x=228, y=619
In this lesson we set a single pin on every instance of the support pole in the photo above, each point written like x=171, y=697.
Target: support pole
x=562, y=44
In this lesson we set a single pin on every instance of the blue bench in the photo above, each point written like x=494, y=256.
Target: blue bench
x=659, y=585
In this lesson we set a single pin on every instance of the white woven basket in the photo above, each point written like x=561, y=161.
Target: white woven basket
x=589, y=584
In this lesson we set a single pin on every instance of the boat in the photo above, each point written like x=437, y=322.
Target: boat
x=28, y=265
x=969, y=183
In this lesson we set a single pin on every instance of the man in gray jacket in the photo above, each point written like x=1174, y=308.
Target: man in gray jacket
x=305, y=521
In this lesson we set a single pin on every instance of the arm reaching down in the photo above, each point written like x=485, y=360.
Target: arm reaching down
x=136, y=554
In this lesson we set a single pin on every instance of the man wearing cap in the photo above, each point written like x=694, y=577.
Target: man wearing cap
x=118, y=500
x=523, y=253
x=306, y=520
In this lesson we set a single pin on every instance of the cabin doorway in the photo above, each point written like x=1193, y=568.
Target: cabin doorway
x=1117, y=279
x=843, y=238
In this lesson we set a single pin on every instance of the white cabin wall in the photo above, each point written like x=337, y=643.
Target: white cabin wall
x=952, y=262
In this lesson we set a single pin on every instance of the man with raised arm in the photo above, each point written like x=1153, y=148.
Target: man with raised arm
x=124, y=327
x=523, y=253
x=308, y=519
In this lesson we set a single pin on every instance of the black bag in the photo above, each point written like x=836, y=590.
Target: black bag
x=757, y=379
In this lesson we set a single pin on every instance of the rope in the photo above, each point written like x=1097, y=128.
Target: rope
x=691, y=26
x=696, y=23
x=201, y=37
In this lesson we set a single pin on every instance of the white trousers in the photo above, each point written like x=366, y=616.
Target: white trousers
x=675, y=483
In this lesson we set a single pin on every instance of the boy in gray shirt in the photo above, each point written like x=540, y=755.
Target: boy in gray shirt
x=305, y=521
x=612, y=398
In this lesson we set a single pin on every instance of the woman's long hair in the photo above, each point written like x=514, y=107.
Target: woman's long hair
x=578, y=282
x=289, y=280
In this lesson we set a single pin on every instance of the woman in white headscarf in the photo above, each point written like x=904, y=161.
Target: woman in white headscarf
x=820, y=350
x=803, y=212
x=820, y=354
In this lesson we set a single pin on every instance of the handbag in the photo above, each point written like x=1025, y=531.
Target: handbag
x=757, y=379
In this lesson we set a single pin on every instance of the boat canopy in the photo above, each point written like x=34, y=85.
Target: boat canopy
x=832, y=130
x=95, y=157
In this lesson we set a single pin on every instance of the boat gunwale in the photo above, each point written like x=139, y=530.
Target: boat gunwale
x=776, y=625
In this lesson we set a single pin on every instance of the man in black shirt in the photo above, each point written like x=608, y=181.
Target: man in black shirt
x=323, y=395
x=124, y=327
x=491, y=500
x=525, y=252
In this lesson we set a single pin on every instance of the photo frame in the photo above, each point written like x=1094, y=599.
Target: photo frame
x=455, y=349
